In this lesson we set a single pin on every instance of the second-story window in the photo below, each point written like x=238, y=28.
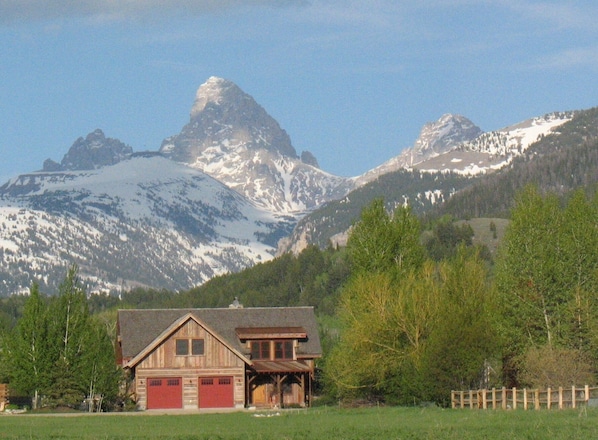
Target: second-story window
x=272, y=349
x=260, y=349
x=193, y=347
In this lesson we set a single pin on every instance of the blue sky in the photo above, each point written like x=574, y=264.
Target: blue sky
x=351, y=81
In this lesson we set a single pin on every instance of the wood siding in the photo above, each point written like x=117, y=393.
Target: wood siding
x=216, y=354
x=218, y=360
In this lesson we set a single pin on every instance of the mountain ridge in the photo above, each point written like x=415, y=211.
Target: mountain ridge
x=225, y=193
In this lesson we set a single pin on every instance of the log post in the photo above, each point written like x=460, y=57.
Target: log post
x=493, y=398
x=504, y=398
x=525, y=399
x=537, y=399
x=485, y=398
x=548, y=398
x=573, y=396
x=514, y=398
x=560, y=397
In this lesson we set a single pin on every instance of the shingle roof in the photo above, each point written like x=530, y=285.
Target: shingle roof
x=139, y=327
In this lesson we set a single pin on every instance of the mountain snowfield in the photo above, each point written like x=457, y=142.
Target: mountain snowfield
x=144, y=221
x=217, y=197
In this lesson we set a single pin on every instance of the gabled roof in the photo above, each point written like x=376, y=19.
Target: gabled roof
x=172, y=329
x=142, y=328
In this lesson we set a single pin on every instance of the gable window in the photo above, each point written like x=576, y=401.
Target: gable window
x=193, y=347
x=197, y=347
x=182, y=347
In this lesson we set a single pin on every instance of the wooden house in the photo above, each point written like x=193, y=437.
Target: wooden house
x=219, y=358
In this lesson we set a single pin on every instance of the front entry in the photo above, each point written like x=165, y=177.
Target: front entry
x=216, y=392
x=164, y=393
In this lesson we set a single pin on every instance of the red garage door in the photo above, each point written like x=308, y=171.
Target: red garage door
x=216, y=392
x=164, y=393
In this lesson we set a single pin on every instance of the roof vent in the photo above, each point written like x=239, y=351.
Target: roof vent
x=236, y=304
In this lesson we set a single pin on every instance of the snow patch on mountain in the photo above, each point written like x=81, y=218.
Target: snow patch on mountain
x=232, y=138
x=144, y=221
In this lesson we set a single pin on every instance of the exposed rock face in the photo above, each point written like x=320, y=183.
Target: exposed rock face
x=92, y=152
x=225, y=117
x=435, y=138
x=231, y=137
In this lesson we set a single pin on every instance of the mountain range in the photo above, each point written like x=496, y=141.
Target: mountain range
x=225, y=193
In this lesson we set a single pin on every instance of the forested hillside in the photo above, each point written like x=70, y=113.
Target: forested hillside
x=420, y=190
x=557, y=163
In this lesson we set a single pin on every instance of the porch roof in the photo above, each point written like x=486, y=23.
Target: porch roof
x=280, y=367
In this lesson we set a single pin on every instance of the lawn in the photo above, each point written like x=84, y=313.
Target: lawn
x=317, y=423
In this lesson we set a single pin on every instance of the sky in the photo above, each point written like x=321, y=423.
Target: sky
x=351, y=81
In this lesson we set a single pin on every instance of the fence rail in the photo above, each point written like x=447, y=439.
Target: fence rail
x=513, y=398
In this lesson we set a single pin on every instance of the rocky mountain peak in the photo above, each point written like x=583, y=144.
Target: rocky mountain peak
x=92, y=152
x=233, y=139
x=223, y=120
x=215, y=90
x=440, y=136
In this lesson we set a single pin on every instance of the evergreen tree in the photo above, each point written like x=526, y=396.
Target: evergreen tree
x=29, y=354
x=68, y=330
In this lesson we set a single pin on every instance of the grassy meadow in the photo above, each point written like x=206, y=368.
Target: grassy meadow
x=317, y=423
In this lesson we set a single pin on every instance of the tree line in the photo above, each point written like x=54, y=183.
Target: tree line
x=415, y=328
x=59, y=354
x=408, y=310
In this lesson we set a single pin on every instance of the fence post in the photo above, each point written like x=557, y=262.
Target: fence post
x=504, y=398
x=493, y=398
x=587, y=394
x=471, y=399
x=573, y=396
x=548, y=397
x=514, y=398
x=462, y=399
x=452, y=399
x=525, y=399
x=537, y=399
x=485, y=398
x=560, y=397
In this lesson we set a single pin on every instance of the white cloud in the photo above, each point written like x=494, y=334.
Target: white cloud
x=22, y=11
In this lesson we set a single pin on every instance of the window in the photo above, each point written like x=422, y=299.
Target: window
x=260, y=349
x=283, y=349
x=197, y=347
x=182, y=347
x=264, y=349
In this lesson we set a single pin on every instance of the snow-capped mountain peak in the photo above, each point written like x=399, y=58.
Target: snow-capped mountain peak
x=233, y=139
x=437, y=137
x=212, y=91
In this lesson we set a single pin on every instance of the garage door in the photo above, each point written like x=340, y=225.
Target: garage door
x=163, y=393
x=216, y=392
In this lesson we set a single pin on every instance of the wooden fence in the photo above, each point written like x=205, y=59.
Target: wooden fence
x=3, y=396
x=513, y=398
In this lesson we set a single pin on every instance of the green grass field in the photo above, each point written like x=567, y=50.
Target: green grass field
x=318, y=423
